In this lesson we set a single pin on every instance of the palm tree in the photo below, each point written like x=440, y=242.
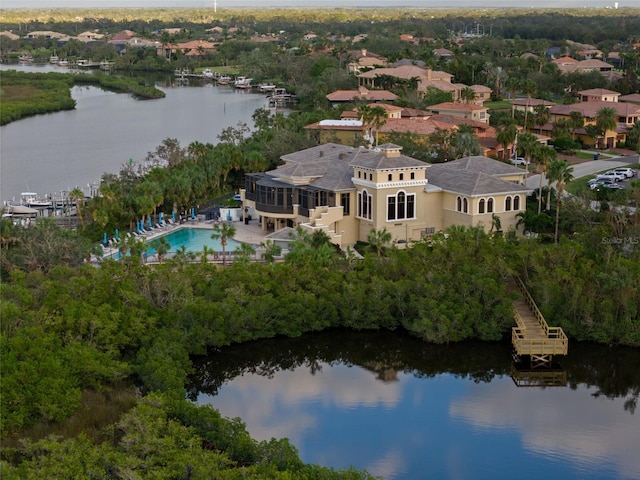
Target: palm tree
x=528, y=144
x=545, y=156
x=222, y=232
x=467, y=95
x=512, y=85
x=506, y=136
x=161, y=246
x=561, y=173
x=77, y=196
x=576, y=121
x=606, y=119
x=378, y=119
x=464, y=142
x=378, y=239
x=541, y=115
x=528, y=87
x=593, y=133
x=633, y=135
x=206, y=251
x=271, y=251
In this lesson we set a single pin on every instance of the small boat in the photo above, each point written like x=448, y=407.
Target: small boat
x=242, y=82
x=223, y=80
x=63, y=63
x=31, y=200
x=25, y=58
x=54, y=59
x=266, y=87
x=206, y=73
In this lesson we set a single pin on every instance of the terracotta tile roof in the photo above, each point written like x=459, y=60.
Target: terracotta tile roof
x=407, y=72
x=631, y=98
x=361, y=93
x=590, y=109
x=598, y=92
x=533, y=102
x=462, y=107
x=410, y=125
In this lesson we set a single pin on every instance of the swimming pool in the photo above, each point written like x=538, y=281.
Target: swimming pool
x=194, y=240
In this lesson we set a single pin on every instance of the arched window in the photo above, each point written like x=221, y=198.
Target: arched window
x=516, y=202
x=389, y=177
x=481, y=206
x=459, y=204
x=465, y=205
x=507, y=204
x=490, y=205
x=401, y=206
x=364, y=205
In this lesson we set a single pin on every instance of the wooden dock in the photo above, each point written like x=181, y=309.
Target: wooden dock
x=532, y=336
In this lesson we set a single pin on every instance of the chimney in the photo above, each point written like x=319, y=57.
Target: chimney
x=364, y=52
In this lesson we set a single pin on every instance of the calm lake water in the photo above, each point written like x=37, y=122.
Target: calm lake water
x=59, y=151
x=403, y=409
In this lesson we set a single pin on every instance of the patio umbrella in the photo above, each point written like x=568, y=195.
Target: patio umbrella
x=173, y=216
x=104, y=240
x=193, y=213
x=160, y=214
x=138, y=225
x=149, y=221
x=117, y=237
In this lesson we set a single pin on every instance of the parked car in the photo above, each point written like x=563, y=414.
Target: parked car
x=627, y=172
x=616, y=177
x=519, y=161
x=600, y=182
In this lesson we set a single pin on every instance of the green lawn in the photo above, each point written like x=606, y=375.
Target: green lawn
x=501, y=105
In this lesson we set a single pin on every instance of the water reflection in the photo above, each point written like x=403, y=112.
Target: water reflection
x=403, y=409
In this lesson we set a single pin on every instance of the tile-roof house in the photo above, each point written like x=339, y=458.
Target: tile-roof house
x=471, y=111
x=627, y=115
x=362, y=93
x=598, y=95
x=346, y=192
x=358, y=60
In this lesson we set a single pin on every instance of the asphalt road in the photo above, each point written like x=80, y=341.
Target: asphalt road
x=590, y=168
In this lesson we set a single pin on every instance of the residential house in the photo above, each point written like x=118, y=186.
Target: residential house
x=443, y=53
x=529, y=104
x=361, y=94
x=631, y=98
x=569, y=65
x=345, y=131
x=193, y=48
x=347, y=192
x=472, y=111
x=627, y=115
x=598, y=95
x=89, y=36
x=9, y=35
x=482, y=93
x=44, y=34
x=359, y=60
x=423, y=76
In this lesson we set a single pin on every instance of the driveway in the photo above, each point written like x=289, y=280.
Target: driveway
x=590, y=168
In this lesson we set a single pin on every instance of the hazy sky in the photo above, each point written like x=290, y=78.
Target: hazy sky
x=313, y=3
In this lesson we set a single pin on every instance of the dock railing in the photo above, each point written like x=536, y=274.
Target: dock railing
x=555, y=341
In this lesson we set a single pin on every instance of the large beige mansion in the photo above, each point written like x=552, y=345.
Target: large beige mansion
x=347, y=192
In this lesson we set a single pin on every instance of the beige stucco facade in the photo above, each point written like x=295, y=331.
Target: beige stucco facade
x=347, y=192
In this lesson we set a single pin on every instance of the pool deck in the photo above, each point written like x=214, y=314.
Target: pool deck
x=247, y=233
